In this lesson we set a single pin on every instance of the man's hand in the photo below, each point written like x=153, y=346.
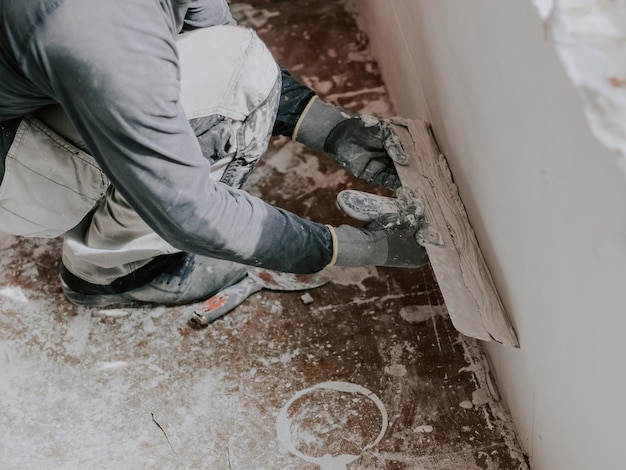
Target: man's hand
x=364, y=145
x=394, y=235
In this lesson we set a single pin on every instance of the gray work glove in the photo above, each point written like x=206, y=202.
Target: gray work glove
x=379, y=247
x=394, y=235
x=363, y=145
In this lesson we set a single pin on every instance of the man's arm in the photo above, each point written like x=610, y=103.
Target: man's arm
x=120, y=89
x=361, y=144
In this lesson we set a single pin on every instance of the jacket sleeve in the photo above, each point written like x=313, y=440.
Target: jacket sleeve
x=205, y=13
x=126, y=105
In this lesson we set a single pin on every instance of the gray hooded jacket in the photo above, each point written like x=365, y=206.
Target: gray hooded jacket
x=113, y=67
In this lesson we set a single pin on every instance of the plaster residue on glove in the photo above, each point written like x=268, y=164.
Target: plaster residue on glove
x=407, y=209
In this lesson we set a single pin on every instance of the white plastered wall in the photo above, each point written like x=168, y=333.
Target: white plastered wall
x=548, y=203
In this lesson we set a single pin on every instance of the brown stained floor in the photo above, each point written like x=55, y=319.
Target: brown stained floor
x=371, y=374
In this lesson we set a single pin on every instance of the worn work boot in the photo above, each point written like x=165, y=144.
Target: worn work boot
x=181, y=279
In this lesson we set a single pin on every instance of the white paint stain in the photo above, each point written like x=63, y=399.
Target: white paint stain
x=361, y=302
x=288, y=356
x=14, y=294
x=273, y=306
x=249, y=15
x=421, y=313
x=113, y=313
x=111, y=365
x=353, y=276
x=436, y=333
x=359, y=56
x=480, y=397
x=77, y=332
x=425, y=428
x=396, y=370
x=291, y=159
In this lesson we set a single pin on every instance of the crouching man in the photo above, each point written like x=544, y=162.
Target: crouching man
x=130, y=126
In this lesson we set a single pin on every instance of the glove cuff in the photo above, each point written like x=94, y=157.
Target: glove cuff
x=333, y=237
x=316, y=122
x=357, y=247
x=363, y=247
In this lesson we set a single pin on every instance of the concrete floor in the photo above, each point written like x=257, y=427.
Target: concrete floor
x=370, y=375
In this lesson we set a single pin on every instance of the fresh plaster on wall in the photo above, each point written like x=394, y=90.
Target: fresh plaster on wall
x=590, y=38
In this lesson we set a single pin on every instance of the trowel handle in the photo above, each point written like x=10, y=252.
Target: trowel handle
x=226, y=300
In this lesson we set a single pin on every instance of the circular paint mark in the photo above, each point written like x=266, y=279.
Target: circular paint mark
x=283, y=425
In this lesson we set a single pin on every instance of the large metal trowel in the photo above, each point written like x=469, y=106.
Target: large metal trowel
x=255, y=280
x=465, y=281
